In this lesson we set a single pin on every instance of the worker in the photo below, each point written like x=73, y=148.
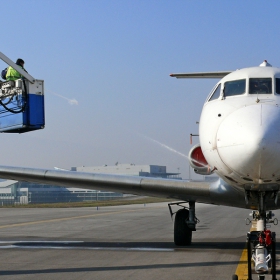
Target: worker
x=13, y=74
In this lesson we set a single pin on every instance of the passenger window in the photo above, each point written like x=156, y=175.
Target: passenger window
x=260, y=85
x=232, y=88
x=277, y=85
x=216, y=93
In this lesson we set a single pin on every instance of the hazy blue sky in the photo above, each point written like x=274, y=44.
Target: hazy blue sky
x=114, y=58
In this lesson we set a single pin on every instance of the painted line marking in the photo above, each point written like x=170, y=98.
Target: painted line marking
x=242, y=268
x=75, y=217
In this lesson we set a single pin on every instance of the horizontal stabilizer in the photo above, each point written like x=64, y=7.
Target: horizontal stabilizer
x=205, y=75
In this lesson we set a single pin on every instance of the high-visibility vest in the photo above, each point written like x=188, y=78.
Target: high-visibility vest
x=12, y=74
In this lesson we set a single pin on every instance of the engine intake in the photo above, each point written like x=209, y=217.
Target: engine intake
x=198, y=161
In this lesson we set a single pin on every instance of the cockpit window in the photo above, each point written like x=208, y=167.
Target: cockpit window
x=260, y=85
x=277, y=85
x=234, y=87
x=216, y=93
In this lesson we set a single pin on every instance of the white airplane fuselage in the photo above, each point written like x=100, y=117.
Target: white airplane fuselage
x=239, y=128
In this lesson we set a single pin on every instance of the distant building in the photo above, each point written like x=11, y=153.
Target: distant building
x=14, y=192
x=130, y=170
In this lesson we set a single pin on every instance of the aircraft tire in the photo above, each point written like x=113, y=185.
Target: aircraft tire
x=182, y=233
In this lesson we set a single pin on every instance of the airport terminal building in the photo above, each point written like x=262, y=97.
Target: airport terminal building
x=130, y=170
x=14, y=192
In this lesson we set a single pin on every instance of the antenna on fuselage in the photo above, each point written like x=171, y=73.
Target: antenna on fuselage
x=265, y=64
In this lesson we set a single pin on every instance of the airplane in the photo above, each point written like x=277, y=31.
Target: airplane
x=239, y=140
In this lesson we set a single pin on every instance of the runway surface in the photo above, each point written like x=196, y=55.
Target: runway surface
x=120, y=242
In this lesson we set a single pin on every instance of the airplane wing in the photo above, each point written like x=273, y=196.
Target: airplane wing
x=206, y=75
x=218, y=192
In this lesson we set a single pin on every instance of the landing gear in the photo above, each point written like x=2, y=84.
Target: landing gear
x=261, y=248
x=182, y=233
x=184, y=224
x=261, y=242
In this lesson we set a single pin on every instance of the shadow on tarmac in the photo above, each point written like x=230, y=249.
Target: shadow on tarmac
x=112, y=268
x=128, y=245
x=124, y=245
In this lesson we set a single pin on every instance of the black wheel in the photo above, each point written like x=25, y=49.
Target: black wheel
x=182, y=233
x=234, y=277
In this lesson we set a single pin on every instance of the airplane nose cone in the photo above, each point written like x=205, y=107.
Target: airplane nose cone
x=248, y=142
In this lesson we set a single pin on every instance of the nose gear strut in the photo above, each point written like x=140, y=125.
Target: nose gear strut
x=261, y=242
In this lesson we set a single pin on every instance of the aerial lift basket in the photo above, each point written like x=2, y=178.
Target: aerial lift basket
x=21, y=102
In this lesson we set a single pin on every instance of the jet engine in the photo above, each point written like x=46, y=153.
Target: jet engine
x=198, y=161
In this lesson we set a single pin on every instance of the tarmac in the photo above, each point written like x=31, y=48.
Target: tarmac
x=120, y=242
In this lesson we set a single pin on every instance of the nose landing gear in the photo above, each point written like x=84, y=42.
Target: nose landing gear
x=261, y=242
x=261, y=246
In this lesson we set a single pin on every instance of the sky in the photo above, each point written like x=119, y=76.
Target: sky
x=106, y=64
